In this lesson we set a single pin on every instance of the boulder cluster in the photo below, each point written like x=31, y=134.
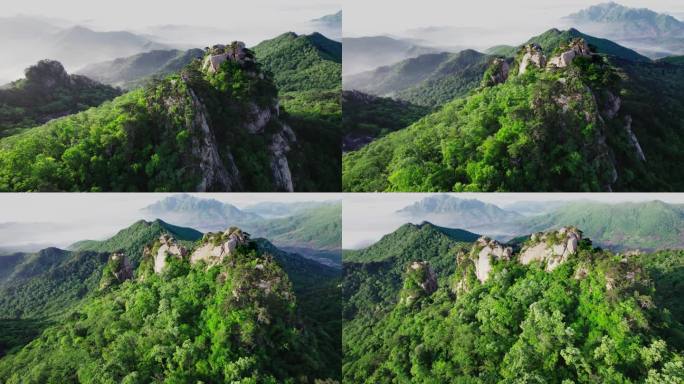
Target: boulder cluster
x=218, y=54
x=552, y=248
x=533, y=56
x=217, y=246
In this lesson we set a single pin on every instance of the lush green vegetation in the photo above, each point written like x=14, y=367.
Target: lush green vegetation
x=301, y=63
x=188, y=324
x=510, y=137
x=19, y=332
x=47, y=93
x=373, y=276
x=599, y=317
x=149, y=139
x=367, y=117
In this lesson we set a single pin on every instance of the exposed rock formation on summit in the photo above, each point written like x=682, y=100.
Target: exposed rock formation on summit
x=217, y=246
x=218, y=54
x=577, y=48
x=487, y=251
x=533, y=56
x=497, y=72
x=552, y=248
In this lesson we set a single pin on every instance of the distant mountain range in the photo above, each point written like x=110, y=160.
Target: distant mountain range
x=646, y=226
x=30, y=39
x=650, y=33
x=370, y=52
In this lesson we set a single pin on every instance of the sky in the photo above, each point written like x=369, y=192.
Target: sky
x=509, y=22
x=60, y=219
x=256, y=15
x=367, y=217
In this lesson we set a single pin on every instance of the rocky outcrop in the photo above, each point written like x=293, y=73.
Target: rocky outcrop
x=633, y=139
x=167, y=248
x=121, y=267
x=217, y=246
x=552, y=248
x=485, y=251
x=420, y=281
x=612, y=105
x=533, y=56
x=498, y=72
x=218, y=54
x=577, y=48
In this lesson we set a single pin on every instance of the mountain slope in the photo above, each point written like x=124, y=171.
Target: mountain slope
x=135, y=71
x=213, y=127
x=47, y=93
x=522, y=321
x=597, y=133
x=302, y=62
x=366, y=117
x=318, y=228
x=428, y=80
x=373, y=276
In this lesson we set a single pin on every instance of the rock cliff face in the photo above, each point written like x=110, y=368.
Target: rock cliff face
x=121, y=267
x=498, y=72
x=205, y=98
x=167, y=248
x=552, y=248
x=533, y=56
x=489, y=250
x=420, y=281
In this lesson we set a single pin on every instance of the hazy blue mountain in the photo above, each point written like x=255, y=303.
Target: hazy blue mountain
x=430, y=79
x=370, y=52
x=333, y=20
x=651, y=33
x=271, y=210
x=134, y=71
x=453, y=212
x=203, y=214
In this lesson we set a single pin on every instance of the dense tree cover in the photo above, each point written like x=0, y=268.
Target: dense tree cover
x=49, y=282
x=46, y=93
x=367, y=117
x=233, y=322
x=599, y=317
x=429, y=80
x=144, y=140
x=373, y=276
x=19, y=332
x=302, y=62
x=540, y=131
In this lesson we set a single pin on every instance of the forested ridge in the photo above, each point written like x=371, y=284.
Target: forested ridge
x=537, y=310
x=250, y=313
